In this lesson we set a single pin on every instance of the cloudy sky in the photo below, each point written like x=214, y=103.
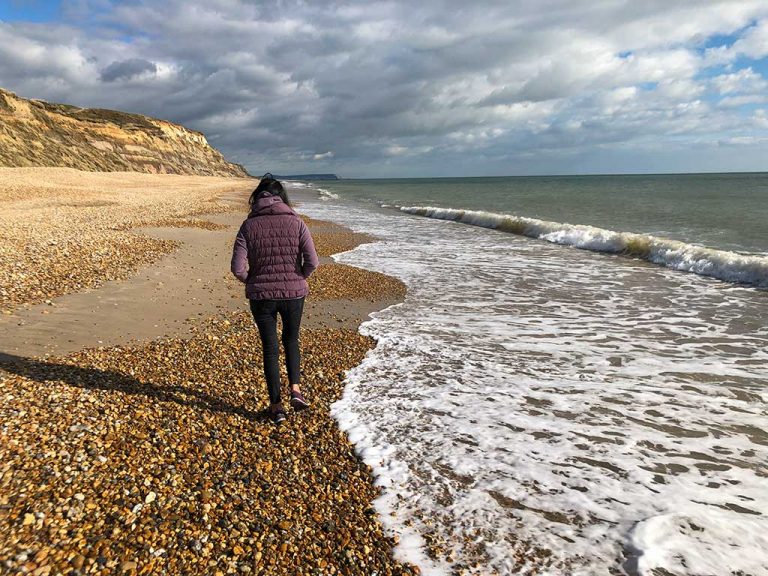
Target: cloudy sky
x=430, y=88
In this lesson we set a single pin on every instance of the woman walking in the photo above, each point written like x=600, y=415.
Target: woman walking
x=274, y=255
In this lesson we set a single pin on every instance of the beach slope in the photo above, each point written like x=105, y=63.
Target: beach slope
x=156, y=455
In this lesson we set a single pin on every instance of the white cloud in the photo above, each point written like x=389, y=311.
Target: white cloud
x=753, y=44
x=65, y=60
x=742, y=81
x=395, y=150
x=735, y=101
x=323, y=156
x=743, y=141
x=680, y=90
x=760, y=118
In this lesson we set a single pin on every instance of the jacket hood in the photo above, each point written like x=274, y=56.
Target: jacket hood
x=269, y=205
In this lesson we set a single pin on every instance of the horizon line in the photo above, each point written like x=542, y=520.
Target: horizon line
x=557, y=175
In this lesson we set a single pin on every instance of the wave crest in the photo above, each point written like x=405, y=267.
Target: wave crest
x=721, y=264
x=327, y=194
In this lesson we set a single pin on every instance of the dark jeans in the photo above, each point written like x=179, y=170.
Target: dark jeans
x=265, y=314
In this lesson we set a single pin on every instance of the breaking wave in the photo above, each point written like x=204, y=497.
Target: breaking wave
x=721, y=264
x=327, y=194
x=322, y=192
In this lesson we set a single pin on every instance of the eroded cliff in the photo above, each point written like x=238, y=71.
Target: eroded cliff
x=38, y=133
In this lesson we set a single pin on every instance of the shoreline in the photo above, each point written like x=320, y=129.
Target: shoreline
x=158, y=455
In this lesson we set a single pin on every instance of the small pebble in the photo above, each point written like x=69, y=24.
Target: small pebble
x=157, y=457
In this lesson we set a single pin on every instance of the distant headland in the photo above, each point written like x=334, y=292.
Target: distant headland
x=309, y=177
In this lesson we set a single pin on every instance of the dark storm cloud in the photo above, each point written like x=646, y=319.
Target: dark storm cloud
x=396, y=87
x=127, y=69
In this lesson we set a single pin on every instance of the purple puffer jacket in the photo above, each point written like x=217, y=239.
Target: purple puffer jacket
x=274, y=253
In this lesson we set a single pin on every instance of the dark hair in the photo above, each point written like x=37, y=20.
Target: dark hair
x=269, y=186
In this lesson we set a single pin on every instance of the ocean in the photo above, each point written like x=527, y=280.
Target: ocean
x=577, y=380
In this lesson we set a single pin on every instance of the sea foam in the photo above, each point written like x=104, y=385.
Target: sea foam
x=720, y=264
x=700, y=543
x=534, y=410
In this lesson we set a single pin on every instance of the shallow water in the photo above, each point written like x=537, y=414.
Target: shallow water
x=531, y=408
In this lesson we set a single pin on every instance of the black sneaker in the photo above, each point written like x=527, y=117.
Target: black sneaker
x=298, y=401
x=277, y=416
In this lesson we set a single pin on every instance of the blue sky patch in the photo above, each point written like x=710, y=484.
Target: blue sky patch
x=760, y=66
x=30, y=10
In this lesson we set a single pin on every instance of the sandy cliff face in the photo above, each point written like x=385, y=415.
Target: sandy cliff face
x=38, y=133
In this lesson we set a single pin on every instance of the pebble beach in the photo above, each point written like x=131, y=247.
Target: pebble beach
x=155, y=455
